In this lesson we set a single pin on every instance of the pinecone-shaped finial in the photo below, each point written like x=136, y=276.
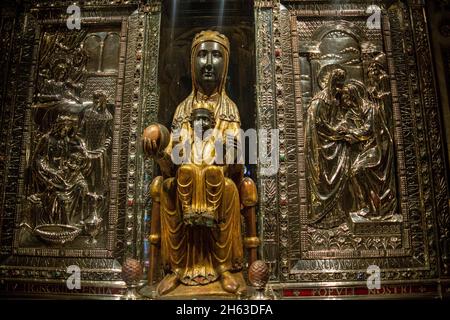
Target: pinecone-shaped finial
x=131, y=271
x=258, y=274
x=131, y=274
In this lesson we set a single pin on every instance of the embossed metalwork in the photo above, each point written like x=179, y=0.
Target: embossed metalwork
x=266, y=116
x=342, y=254
x=149, y=111
x=7, y=64
x=328, y=262
x=349, y=150
x=436, y=196
x=57, y=166
x=258, y=276
x=15, y=115
x=70, y=164
x=51, y=74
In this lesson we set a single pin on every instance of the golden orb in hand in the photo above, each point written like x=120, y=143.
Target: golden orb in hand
x=155, y=138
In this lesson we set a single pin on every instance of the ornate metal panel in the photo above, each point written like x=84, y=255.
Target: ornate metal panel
x=72, y=177
x=266, y=119
x=8, y=64
x=320, y=243
x=440, y=27
x=73, y=183
x=148, y=113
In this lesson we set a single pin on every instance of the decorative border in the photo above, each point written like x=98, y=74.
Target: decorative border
x=437, y=196
x=8, y=36
x=148, y=113
x=18, y=101
x=51, y=4
x=34, y=268
x=132, y=95
x=289, y=118
x=266, y=119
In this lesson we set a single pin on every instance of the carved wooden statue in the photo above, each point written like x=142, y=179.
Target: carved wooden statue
x=197, y=204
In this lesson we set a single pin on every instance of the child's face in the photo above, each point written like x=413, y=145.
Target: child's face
x=347, y=98
x=373, y=72
x=201, y=120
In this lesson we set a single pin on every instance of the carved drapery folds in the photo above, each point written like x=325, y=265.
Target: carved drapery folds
x=67, y=179
x=349, y=155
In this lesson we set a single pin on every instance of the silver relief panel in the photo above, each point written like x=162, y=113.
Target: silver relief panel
x=68, y=158
x=349, y=141
x=350, y=189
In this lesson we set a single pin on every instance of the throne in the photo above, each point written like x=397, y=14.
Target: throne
x=248, y=200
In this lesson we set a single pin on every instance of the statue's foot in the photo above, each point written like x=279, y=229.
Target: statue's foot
x=167, y=284
x=229, y=282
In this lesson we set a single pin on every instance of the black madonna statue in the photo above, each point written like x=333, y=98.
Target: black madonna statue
x=199, y=199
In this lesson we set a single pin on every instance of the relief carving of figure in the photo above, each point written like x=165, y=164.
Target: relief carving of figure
x=350, y=152
x=373, y=168
x=58, y=166
x=96, y=129
x=328, y=160
x=62, y=71
x=69, y=166
x=379, y=87
x=58, y=94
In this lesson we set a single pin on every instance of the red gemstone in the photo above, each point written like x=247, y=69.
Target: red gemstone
x=130, y=202
x=277, y=52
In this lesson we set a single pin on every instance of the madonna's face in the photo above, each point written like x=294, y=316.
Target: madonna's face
x=209, y=66
x=337, y=81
